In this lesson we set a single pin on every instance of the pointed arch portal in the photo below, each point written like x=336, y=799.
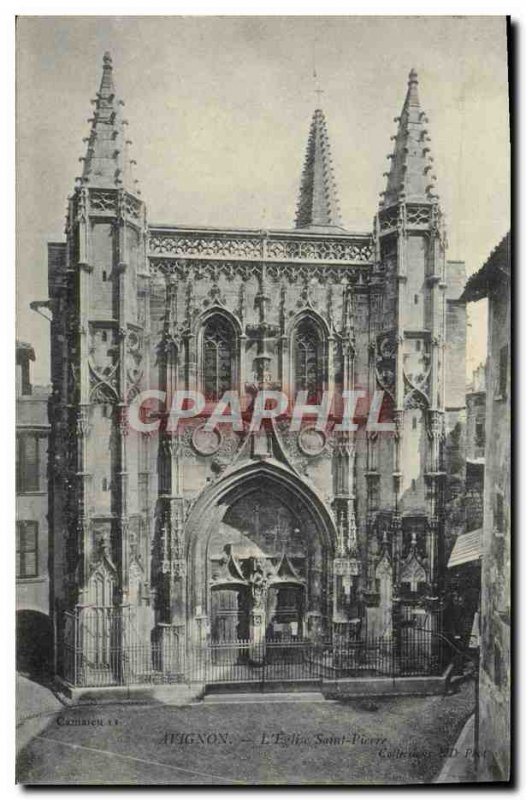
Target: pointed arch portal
x=260, y=549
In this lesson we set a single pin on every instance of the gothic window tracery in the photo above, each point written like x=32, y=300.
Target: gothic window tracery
x=308, y=371
x=218, y=357
x=171, y=369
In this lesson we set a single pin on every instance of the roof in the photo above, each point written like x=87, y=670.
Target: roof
x=410, y=177
x=318, y=207
x=467, y=548
x=107, y=163
x=491, y=274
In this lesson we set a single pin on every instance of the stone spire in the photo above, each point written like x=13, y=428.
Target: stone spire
x=107, y=163
x=410, y=177
x=318, y=208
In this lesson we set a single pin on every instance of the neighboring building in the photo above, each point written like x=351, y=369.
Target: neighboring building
x=463, y=584
x=475, y=448
x=493, y=281
x=222, y=535
x=32, y=575
x=476, y=416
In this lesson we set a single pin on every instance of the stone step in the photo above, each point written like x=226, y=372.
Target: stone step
x=265, y=697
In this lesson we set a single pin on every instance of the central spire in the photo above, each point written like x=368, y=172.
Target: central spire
x=411, y=174
x=318, y=201
x=107, y=164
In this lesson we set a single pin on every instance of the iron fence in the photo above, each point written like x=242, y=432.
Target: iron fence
x=106, y=649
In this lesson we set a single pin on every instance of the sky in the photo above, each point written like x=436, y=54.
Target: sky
x=219, y=110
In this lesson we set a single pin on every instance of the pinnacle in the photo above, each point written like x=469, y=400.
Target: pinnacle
x=410, y=177
x=107, y=163
x=318, y=202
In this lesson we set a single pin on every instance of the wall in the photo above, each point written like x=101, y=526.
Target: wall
x=495, y=594
x=33, y=593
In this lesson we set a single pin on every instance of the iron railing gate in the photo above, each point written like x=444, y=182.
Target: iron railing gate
x=271, y=662
x=101, y=648
x=262, y=664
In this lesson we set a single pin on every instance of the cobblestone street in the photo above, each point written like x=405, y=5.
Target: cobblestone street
x=403, y=740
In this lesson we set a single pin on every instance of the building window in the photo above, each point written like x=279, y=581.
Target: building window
x=502, y=388
x=416, y=299
x=26, y=549
x=418, y=344
x=308, y=361
x=480, y=434
x=218, y=357
x=27, y=463
x=104, y=275
x=23, y=378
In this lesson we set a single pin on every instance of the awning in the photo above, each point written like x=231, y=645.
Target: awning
x=468, y=547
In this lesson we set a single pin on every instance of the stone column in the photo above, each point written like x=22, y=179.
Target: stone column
x=258, y=615
x=172, y=654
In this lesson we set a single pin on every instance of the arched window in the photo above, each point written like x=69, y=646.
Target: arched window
x=308, y=373
x=171, y=360
x=218, y=357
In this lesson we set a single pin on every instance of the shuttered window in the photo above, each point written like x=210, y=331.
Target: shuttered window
x=26, y=549
x=28, y=463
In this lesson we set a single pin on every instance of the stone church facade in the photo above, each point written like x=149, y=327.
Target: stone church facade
x=186, y=537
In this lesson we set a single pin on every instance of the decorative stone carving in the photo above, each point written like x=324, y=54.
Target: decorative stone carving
x=104, y=201
x=291, y=272
x=134, y=357
x=83, y=424
x=259, y=586
x=388, y=219
x=311, y=441
x=435, y=424
x=415, y=398
x=103, y=363
x=413, y=573
x=131, y=207
x=200, y=245
x=206, y=442
x=178, y=569
x=346, y=567
x=418, y=216
x=203, y=245
x=417, y=370
x=385, y=366
x=123, y=420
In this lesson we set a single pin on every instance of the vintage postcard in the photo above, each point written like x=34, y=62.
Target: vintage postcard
x=263, y=400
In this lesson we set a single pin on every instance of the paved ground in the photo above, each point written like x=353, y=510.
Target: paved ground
x=460, y=766
x=389, y=741
x=36, y=705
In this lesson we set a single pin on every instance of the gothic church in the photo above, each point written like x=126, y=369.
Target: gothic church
x=165, y=542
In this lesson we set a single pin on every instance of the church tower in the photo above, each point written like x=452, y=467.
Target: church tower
x=408, y=365
x=98, y=288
